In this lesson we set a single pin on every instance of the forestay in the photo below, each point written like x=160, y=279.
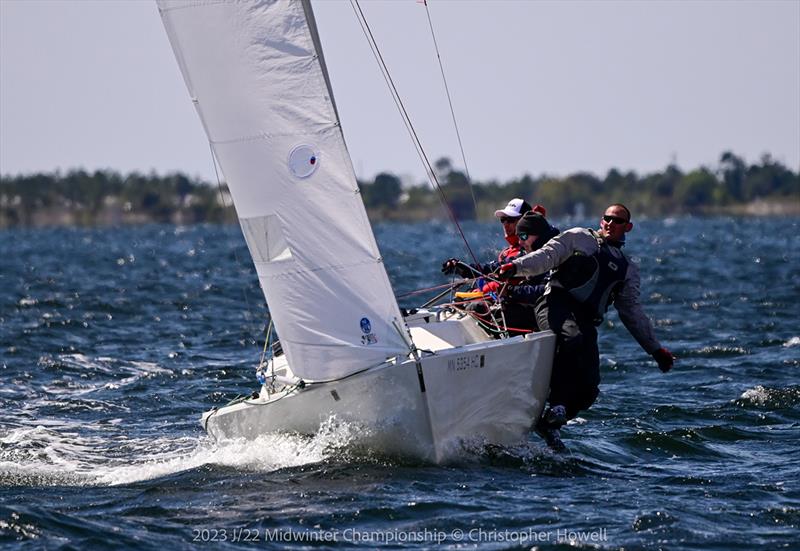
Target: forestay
x=256, y=74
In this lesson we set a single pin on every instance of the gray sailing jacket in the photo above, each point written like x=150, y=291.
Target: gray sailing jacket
x=560, y=248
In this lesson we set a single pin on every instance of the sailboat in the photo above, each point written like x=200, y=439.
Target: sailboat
x=418, y=384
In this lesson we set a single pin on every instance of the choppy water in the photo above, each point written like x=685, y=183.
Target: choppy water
x=112, y=341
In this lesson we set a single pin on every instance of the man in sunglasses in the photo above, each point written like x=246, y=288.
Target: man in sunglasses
x=589, y=273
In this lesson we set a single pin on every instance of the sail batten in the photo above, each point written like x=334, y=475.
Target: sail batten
x=262, y=93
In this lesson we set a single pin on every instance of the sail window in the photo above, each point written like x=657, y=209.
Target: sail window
x=265, y=238
x=303, y=161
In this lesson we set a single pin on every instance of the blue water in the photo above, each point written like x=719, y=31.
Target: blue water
x=113, y=341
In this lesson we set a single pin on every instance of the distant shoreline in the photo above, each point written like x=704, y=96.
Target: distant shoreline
x=758, y=208
x=115, y=217
x=108, y=198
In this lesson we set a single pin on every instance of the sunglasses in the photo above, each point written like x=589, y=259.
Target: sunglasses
x=524, y=235
x=616, y=219
x=508, y=219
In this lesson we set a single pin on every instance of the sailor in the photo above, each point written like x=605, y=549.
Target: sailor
x=590, y=272
x=508, y=216
x=518, y=300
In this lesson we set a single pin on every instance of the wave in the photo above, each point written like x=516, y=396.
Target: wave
x=718, y=351
x=653, y=522
x=677, y=442
x=266, y=453
x=765, y=397
x=42, y=456
x=91, y=371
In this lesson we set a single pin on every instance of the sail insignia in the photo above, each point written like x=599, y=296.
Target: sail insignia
x=303, y=160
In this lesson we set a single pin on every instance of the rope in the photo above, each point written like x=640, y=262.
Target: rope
x=434, y=288
x=267, y=340
x=407, y=119
x=450, y=102
x=502, y=329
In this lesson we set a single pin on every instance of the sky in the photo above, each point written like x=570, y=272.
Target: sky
x=538, y=87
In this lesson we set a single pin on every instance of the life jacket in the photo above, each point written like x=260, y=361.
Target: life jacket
x=510, y=252
x=593, y=280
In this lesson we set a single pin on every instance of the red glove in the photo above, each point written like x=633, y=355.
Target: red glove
x=507, y=271
x=540, y=209
x=491, y=287
x=664, y=358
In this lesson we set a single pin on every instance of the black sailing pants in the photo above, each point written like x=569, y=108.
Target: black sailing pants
x=576, y=365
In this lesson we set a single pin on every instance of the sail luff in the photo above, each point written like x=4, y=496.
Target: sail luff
x=259, y=83
x=312, y=26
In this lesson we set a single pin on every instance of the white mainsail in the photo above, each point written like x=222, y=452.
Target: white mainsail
x=256, y=74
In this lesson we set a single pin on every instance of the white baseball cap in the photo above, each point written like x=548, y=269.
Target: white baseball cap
x=514, y=209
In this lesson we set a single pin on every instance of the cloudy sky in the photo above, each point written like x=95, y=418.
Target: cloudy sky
x=538, y=86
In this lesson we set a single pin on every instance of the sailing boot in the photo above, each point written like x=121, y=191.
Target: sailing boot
x=555, y=417
x=552, y=437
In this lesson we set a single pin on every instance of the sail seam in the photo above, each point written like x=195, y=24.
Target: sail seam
x=337, y=267
x=195, y=4
x=267, y=136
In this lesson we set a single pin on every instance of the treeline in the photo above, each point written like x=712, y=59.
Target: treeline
x=107, y=197
x=732, y=186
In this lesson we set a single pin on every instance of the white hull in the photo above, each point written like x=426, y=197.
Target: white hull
x=488, y=391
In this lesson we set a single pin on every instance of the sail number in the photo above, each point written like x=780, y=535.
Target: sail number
x=470, y=361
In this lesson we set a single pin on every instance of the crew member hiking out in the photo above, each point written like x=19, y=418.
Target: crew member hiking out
x=590, y=272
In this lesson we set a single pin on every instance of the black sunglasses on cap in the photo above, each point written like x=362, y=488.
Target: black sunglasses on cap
x=615, y=219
